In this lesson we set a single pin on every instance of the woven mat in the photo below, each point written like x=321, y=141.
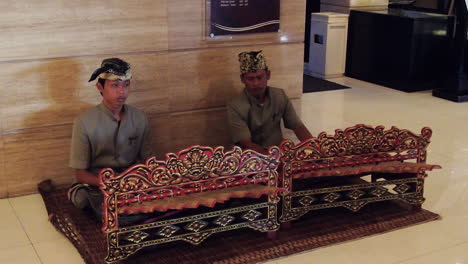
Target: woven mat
x=312, y=84
x=316, y=229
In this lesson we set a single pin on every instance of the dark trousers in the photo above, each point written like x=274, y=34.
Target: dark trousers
x=89, y=197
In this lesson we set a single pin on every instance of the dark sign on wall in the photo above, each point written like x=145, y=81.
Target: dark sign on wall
x=228, y=17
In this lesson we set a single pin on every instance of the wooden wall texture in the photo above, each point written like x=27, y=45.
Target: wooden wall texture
x=182, y=80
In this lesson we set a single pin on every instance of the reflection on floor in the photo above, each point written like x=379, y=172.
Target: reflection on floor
x=28, y=238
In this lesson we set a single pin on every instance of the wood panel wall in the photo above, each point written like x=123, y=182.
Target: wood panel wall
x=182, y=79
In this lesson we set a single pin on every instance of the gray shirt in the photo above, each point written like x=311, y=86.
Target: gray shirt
x=101, y=141
x=261, y=123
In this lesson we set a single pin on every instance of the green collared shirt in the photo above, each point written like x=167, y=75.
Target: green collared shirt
x=101, y=141
x=261, y=123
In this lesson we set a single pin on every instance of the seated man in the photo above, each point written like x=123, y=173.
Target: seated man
x=255, y=115
x=109, y=135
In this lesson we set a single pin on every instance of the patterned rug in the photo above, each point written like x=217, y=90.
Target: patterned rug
x=316, y=229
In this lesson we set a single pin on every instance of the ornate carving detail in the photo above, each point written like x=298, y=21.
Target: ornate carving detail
x=196, y=238
x=137, y=236
x=414, y=199
x=251, y=215
x=401, y=188
x=379, y=191
x=168, y=231
x=420, y=186
x=307, y=200
x=224, y=220
x=355, y=205
x=192, y=170
x=265, y=226
x=109, y=214
x=356, y=140
x=189, y=166
x=355, y=194
x=354, y=146
x=196, y=225
x=289, y=215
x=115, y=253
x=331, y=197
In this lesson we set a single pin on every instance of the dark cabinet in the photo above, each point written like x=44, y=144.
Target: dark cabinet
x=455, y=85
x=400, y=49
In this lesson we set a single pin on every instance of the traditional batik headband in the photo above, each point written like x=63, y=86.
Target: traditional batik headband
x=113, y=69
x=252, y=61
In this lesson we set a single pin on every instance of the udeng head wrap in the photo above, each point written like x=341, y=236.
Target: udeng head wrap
x=112, y=69
x=252, y=61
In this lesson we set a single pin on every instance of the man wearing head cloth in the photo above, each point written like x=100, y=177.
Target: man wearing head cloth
x=109, y=135
x=255, y=115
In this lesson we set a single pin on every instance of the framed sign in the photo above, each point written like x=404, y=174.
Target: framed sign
x=230, y=17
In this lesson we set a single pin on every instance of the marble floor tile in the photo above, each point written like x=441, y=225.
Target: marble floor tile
x=12, y=233
x=19, y=255
x=32, y=214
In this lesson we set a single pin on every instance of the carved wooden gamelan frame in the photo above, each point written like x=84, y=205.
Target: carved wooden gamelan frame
x=196, y=169
x=357, y=151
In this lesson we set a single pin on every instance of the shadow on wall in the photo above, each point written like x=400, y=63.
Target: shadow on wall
x=214, y=86
x=60, y=102
x=198, y=95
x=38, y=143
x=214, y=83
x=221, y=89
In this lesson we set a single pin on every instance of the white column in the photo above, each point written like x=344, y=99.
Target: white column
x=328, y=36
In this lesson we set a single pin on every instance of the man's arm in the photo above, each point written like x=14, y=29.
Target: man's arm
x=79, y=155
x=302, y=133
x=84, y=176
x=146, y=149
x=292, y=121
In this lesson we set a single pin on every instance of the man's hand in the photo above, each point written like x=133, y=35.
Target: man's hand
x=84, y=176
x=248, y=144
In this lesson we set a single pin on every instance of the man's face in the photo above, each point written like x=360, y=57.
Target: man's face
x=256, y=82
x=114, y=93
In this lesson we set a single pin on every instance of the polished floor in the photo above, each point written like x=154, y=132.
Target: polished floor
x=27, y=237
